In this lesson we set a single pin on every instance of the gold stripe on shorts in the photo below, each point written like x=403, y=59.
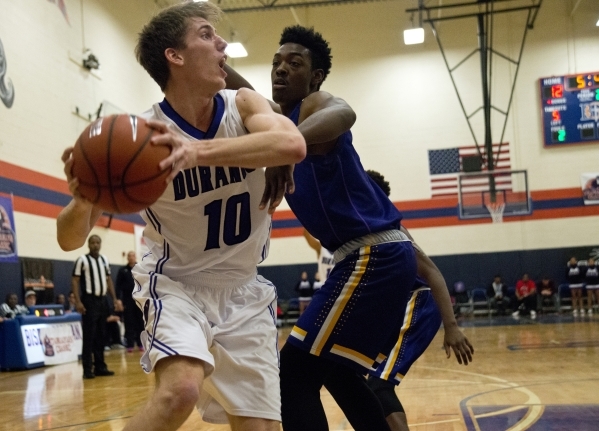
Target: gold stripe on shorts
x=341, y=301
x=298, y=333
x=406, y=325
x=352, y=355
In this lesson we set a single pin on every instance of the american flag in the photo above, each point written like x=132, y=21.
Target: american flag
x=445, y=165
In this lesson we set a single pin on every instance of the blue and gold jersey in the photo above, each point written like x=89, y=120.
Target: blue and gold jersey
x=335, y=199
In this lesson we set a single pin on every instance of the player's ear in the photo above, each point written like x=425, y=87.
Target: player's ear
x=317, y=77
x=173, y=56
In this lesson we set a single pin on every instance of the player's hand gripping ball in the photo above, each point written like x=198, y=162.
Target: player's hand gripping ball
x=117, y=165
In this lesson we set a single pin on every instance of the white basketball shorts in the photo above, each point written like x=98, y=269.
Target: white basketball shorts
x=229, y=326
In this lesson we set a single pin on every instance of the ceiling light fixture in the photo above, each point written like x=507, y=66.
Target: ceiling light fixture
x=414, y=35
x=236, y=50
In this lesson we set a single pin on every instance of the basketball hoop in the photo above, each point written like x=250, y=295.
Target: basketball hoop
x=496, y=211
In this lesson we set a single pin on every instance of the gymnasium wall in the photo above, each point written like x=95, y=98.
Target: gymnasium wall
x=402, y=95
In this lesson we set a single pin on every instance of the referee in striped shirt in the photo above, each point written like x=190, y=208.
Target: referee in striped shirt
x=90, y=283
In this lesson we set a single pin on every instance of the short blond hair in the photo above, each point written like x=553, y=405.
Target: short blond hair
x=167, y=30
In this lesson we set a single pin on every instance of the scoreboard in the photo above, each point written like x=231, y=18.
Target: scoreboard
x=570, y=107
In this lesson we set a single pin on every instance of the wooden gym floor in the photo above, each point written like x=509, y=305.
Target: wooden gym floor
x=526, y=375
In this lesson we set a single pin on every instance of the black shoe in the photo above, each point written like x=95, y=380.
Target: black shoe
x=104, y=372
x=88, y=375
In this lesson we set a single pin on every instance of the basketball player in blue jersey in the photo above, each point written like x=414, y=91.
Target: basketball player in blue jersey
x=210, y=334
x=355, y=318
x=357, y=314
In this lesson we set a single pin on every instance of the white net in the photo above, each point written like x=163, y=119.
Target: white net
x=496, y=211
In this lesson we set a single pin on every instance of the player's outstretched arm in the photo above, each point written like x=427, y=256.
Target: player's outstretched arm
x=76, y=220
x=273, y=140
x=323, y=118
x=454, y=338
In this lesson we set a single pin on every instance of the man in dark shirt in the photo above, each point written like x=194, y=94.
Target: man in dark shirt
x=134, y=323
x=547, y=293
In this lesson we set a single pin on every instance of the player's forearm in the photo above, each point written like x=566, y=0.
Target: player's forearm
x=74, y=223
x=254, y=150
x=443, y=300
x=429, y=271
x=327, y=124
x=75, y=288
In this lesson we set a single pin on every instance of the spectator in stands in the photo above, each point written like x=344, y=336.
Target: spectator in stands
x=546, y=293
x=11, y=308
x=526, y=297
x=497, y=293
x=575, y=280
x=304, y=289
x=72, y=303
x=592, y=283
x=62, y=300
x=30, y=299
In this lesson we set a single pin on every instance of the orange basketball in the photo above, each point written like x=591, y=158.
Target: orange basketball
x=117, y=166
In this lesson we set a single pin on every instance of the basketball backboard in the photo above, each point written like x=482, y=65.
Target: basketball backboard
x=477, y=190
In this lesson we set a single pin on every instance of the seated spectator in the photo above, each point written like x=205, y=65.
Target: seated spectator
x=11, y=308
x=526, y=297
x=497, y=293
x=62, y=300
x=575, y=279
x=546, y=293
x=592, y=283
x=30, y=299
x=71, y=307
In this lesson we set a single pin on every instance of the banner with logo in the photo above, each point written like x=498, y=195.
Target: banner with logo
x=53, y=343
x=590, y=188
x=8, y=238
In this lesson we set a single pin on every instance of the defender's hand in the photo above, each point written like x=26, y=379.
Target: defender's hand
x=279, y=180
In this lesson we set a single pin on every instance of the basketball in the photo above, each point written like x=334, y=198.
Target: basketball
x=117, y=166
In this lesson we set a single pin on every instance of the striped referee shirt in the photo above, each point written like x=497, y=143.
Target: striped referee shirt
x=92, y=273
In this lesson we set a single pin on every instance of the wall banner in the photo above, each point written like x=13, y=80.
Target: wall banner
x=590, y=188
x=8, y=238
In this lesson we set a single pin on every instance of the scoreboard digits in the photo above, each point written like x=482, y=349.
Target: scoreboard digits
x=570, y=108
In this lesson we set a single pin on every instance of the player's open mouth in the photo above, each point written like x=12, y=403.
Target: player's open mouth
x=222, y=62
x=279, y=83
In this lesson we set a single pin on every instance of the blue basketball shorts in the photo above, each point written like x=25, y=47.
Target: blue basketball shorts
x=357, y=315
x=421, y=323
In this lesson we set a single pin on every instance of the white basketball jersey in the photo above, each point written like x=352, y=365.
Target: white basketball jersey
x=208, y=219
x=325, y=263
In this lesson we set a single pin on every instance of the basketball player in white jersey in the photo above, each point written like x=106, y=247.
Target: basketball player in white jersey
x=210, y=333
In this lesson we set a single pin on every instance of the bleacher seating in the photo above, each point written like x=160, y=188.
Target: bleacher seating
x=479, y=301
x=564, y=297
